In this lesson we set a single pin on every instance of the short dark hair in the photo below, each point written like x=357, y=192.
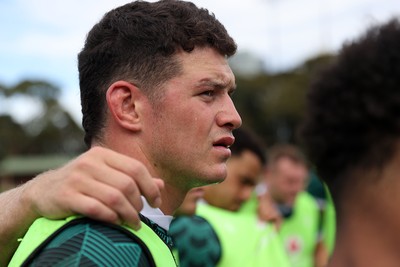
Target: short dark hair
x=353, y=117
x=245, y=139
x=286, y=150
x=137, y=42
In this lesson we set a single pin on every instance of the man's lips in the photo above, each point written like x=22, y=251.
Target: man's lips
x=225, y=141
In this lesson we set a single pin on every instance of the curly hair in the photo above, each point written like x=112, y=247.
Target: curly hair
x=137, y=42
x=353, y=116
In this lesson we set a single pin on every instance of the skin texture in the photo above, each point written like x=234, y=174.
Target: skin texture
x=201, y=95
x=198, y=103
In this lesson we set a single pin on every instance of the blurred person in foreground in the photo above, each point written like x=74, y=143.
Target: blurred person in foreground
x=218, y=235
x=285, y=180
x=155, y=86
x=352, y=135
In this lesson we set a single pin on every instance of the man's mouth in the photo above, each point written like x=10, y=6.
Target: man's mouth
x=226, y=141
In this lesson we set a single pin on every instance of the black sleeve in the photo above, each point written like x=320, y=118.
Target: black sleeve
x=92, y=243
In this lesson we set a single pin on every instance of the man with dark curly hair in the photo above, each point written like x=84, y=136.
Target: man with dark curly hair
x=352, y=134
x=156, y=87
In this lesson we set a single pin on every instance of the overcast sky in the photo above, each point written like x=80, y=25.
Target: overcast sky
x=41, y=38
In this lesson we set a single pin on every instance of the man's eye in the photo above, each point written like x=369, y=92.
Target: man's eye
x=208, y=93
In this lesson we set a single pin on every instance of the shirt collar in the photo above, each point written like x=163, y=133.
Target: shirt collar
x=156, y=215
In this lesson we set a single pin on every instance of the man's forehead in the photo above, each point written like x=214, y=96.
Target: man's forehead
x=206, y=60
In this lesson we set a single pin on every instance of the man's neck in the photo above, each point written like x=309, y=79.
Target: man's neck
x=366, y=242
x=172, y=198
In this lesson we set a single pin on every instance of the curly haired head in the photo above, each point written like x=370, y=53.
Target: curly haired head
x=353, y=117
x=137, y=42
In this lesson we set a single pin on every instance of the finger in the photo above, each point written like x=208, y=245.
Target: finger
x=156, y=202
x=95, y=209
x=114, y=200
x=94, y=166
x=122, y=186
x=148, y=186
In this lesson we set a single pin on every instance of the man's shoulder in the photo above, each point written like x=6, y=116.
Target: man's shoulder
x=196, y=241
x=89, y=241
x=189, y=224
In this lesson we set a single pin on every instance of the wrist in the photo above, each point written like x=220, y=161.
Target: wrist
x=27, y=201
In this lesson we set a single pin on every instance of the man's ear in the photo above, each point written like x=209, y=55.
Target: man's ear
x=123, y=99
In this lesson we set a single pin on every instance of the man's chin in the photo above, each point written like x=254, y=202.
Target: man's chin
x=214, y=180
x=217, y=176
x=207, y=180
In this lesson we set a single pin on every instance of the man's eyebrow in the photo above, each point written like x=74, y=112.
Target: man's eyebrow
x=232, y=89
x=219, y=84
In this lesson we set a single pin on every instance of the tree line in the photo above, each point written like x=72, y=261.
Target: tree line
x=52, y=131
x=272, y=104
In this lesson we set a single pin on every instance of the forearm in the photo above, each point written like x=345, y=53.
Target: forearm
x=15, y=218
x=80, y=187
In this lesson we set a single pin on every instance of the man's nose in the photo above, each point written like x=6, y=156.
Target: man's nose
x=228, y=115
